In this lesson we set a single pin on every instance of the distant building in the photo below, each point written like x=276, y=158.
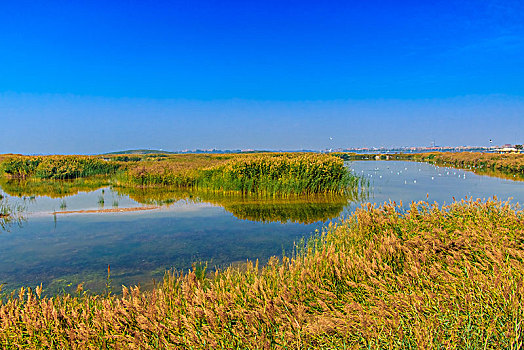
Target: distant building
x=509, y=149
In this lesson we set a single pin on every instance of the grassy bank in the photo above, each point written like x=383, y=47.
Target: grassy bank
x=431, y=277
x=261, y=174
x=484, y=163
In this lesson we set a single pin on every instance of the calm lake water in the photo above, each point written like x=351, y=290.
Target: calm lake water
x=63, y=250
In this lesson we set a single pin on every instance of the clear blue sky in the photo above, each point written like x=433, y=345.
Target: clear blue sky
x=89, y=77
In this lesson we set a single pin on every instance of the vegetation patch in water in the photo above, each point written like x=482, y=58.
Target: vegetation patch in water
x=270, y=173
x=10, y=214
x=267, y=174
x=281, y=173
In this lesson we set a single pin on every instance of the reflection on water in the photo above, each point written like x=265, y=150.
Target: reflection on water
x=51, y=188
x=62, y=251
x=499, y=174
x=296, y=209
x=139, y=246
x=95, y=194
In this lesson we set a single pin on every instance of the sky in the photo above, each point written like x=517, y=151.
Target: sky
x=100, y=76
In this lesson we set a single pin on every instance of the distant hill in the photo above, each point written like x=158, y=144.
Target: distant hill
x=140, y=151
x=216, y=151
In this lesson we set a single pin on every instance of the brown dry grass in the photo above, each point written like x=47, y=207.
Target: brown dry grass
x=432, y=277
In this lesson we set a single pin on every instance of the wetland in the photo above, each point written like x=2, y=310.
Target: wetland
x=278, y=250
x=75, y=228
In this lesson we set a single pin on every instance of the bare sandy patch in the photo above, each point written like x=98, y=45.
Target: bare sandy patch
x=112, y=210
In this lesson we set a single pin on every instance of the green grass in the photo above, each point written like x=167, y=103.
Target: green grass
x=268, y=173
x=430, y=277
x=284, y=174
x=56, y=167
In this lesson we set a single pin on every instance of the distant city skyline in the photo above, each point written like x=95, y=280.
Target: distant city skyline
x=107, y=76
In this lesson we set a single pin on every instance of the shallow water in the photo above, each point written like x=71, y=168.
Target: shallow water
x=61, y=250
x=412, y=181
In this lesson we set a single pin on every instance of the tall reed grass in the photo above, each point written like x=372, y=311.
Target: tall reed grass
x=281, y=173
x=57, y=167
x=430, y=277
x=270, y=173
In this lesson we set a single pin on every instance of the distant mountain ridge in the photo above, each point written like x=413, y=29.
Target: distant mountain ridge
x=140, y=151
x=155, y=151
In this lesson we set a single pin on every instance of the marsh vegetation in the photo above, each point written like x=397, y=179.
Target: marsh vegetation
x=431, y=277
x=268, y=174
